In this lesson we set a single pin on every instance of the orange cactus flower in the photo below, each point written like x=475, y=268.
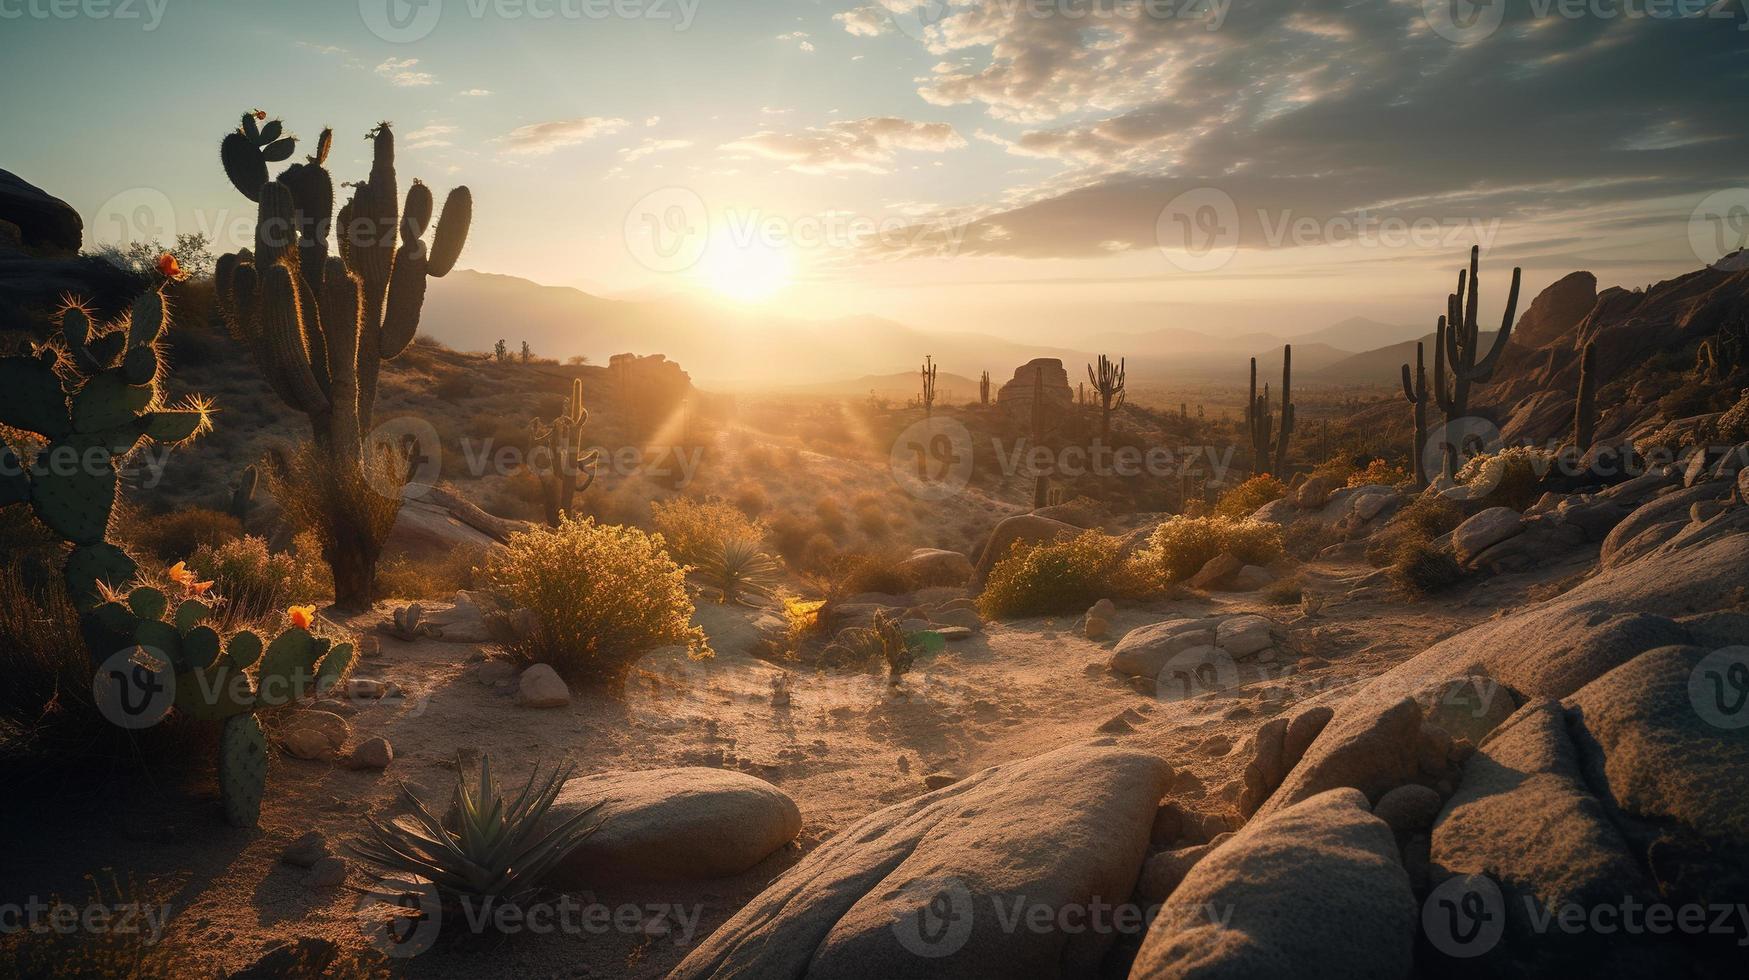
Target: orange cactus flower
x=261, y=114
x=169, y=268
x=180, y=574
x=302, y=616
x=199, y=588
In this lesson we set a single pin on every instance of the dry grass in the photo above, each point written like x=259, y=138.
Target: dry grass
x=1181, y=546
x=1243, y=500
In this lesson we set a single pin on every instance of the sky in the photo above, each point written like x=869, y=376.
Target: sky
x=1039, y=169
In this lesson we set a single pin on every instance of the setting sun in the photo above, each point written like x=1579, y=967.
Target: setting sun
x=745, y=268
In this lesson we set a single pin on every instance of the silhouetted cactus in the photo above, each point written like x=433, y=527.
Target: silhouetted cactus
x=984, y=389
x=243, y=493
x=1415, y=390
x=1259, y=423
x=1456, y=345
x=928, y=397
x=1286, y=430
x=321, y=326
x=1108, y=385
x=1585, y=408
x=563, y=440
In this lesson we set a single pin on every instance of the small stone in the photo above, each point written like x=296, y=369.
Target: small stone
x=541, y=687
x=307, y=743
x=494, y=671
x=1408, y=809
x=1215, y=745
x=904, y=764
x=329, y=872
x=1104, y=609
x=1118, y=725
x=372, y=753
x=364, y=689
x=306, y=850
x=1096, y=628
x=967, y=618
x=954, y=634
x=939, y=780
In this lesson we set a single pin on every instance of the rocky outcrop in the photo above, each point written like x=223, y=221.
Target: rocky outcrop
x=47, y=226
x=1017, y=394
x=1557, y=311
x=675, y=824
x=934, y=566
x=922, y=888
x=1315, y=890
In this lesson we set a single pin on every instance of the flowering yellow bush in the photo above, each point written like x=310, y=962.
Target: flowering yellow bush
x=1066, y=575
x=1378, y=472
x=1244, y=499
x=601, y=597
x=697, y=529
x=1508, y=478
x=1180, y=546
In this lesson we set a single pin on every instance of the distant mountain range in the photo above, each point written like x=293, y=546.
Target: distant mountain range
x=727, y=347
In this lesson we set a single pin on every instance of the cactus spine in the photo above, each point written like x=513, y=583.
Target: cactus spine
x=1415, y=390
x=984, y=389
x=1108, y=384
x=320, y=326
x=563, y=440
x=1585, y=412
x=928, y=375
x=1457, y=342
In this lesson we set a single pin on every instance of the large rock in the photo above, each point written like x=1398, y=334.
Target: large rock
x=934, y=566
x=541, y=687
x=1024, y=528
x=1146, y=649
x=426, y=531
x=46, y=224
x=1374, y=753
x=921, y=888
x=1216, y=572
x=1524, y=817
x=675, y=823
x=1556, y=311
x=1017, y=394
x=1314, y=890
x=1483, y=531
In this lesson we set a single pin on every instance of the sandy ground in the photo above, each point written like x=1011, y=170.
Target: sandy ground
x=845, y=746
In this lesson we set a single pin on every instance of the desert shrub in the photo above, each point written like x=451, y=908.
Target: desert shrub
x=254, y=584
x=751, y=499
x=454, y=387
x=1066, y=575
x=1307, y=536
x=1508, y=478
x=1378, y=472
x=1180, y=546
x=737, y=570
x=696, y=529
x=1420, y=522
x=432, y=578
x=1283, y=591
x=1243, y=500
x=1423, y=567
x=831, y=516
x=883, y=641
x=873, y=523
x=844, y=574
x=350, y=512
x=176, y=535
x=601, y=597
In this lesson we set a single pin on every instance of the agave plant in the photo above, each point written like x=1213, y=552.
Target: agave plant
x=738, y=569
x=490, y=848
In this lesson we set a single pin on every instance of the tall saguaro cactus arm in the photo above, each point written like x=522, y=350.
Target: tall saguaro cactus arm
x=1108, y=384
x=566, y=460
x=1457, y=360
x=1415, y=391
x=1286, y=430
x=928, y=374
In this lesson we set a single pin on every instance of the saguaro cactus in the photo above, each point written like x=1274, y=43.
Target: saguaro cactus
x=1259, y=424
x=1585, y=409
x=320, y=326
x=984, y=389
x=1456, y=346
x=1108, y=385
x=1415, y=390
x=566, y=460
x=1286, y=430
x=928, y=375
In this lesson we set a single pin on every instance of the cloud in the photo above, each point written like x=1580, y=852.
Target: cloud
x=1323, y=110
x=324, y=49
x=865, y=145
x=539, y=139
x=799, y=36
x=475, y=93
x=399, y=71
x=649, y=147
x=433, y=135
x=653, y=120
x=866, y=21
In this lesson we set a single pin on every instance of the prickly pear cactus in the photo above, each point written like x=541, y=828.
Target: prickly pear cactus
x=242, y=769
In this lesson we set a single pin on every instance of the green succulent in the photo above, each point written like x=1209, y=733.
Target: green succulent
x=492, y=848
x=738, y=569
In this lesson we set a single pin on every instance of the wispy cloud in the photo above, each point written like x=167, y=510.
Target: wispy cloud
x=865, y=145
x=649, y=147
x=475, y=93
x=400, y=72
x=539, y=139
x=800, y=37
x=433, y=135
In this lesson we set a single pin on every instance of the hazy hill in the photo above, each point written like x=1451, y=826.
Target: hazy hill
x=1382, y=366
